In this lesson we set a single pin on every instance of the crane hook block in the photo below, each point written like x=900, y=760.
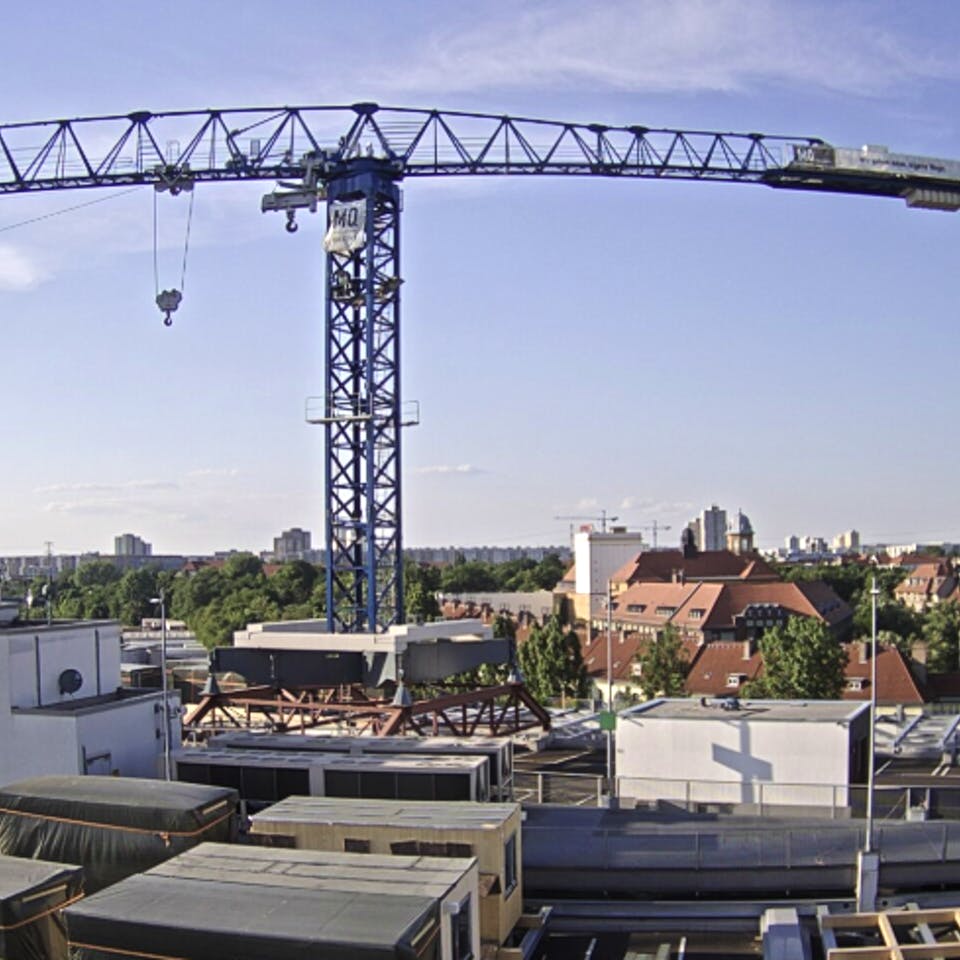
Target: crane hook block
x=168, y=301
x=292, y=225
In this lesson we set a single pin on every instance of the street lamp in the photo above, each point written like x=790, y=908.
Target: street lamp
x=611, y=788
x=874, y=593
x=161, y=600
x=868, y=862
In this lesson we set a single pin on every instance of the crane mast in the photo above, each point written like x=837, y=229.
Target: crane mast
x=362, y=422
x=354, y=157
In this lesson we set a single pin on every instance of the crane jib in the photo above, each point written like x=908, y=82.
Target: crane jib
x=352, y=157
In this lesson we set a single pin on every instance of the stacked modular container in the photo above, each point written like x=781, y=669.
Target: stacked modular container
x=497, y=750
x=221, y=902
x=266, y=776
x=490, y=832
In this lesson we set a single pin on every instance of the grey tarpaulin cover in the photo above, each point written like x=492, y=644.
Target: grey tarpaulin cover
x=31, y=893
x=169, y=916
x=111, y=826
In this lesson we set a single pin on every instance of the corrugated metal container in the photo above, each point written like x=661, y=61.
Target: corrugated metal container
x=490, y=832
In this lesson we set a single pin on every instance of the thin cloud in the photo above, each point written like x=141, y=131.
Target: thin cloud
x=135, y=485
x=205, y=473
x=111, y=507
x=659, y=508
x=670, y=46
x=17, y=271
x=459, y=470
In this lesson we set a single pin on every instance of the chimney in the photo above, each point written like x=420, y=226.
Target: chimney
x=749, y=647
x=864, y=651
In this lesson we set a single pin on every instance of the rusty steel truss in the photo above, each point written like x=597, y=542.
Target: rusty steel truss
x=496, y=711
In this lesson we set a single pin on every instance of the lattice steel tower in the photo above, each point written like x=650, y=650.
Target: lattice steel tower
x=362, y=416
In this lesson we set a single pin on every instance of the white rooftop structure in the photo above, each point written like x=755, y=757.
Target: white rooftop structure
x=62, y=710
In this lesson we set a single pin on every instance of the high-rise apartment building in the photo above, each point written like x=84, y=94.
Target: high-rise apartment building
x=292, y=544
x=130, y=545
x=710, y=529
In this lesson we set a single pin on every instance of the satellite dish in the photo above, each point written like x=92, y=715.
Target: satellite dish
x=70, y=681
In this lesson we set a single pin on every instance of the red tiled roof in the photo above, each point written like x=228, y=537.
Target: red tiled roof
x=717, y=662
x=713, y=606
x=667, y=565
x=895, y=681
x=626, y=649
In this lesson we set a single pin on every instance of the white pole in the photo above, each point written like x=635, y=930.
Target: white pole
x=165, y=706
x=610, y=784
x=874, y=593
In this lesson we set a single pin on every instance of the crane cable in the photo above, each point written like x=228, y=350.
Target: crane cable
x=57, y=213
x=169, y=300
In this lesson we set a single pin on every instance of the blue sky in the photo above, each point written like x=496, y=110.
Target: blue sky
x=645, y=348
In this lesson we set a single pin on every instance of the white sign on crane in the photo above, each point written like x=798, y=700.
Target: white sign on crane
x=345, y=226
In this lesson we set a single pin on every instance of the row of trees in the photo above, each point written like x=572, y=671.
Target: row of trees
x=214, y=601
x=217, y=600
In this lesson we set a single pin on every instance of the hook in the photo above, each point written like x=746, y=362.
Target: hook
x=168, y=301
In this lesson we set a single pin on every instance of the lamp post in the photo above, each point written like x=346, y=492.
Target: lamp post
x=161, y=600
x=871, y=772
x=868, y=861
x=610, y=784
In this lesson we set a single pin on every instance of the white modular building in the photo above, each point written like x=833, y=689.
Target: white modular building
x=743, y=755
x=62, y=709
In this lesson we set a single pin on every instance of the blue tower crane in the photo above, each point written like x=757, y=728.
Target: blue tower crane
x=354, y=158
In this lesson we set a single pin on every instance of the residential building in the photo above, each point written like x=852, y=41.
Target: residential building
x=710, y=529
x=928, y=584
x=707, y=612
x=130, y=545
x=292, y=544
x=597, y=557
x=847, y=542
x=691, y=566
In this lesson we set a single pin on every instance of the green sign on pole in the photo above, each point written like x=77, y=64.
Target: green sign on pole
x=608, y=720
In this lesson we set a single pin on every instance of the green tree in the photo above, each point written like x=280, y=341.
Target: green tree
x=802, y=661
x=132, y=595
x=420, y=585
x=941, y=630
x=96, y=573
x=293, y=583
x=552, y=662
x=474, y=576
x=664, y=665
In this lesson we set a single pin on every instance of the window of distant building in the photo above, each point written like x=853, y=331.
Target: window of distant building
x=697, y=613
x=855, y=683
x=735, y=679
x=666, y=611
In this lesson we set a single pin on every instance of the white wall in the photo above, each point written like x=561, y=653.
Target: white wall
x=37, y=739
x=723, y=758
x=37, y=743
x=599, y=555
x=51, y=650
